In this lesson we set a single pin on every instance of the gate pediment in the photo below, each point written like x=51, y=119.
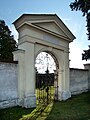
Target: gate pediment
x=51, y=27
x=49, y=23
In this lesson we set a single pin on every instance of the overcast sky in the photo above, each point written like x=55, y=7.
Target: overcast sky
x=10, y=10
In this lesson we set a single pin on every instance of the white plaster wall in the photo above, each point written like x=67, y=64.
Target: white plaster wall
x=78, y=81
x=8, y=84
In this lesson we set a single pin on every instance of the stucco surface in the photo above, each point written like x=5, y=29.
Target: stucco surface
x=79, y=80
x=8, y=84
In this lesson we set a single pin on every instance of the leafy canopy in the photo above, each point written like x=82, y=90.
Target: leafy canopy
x=7, y=43
x=84, y=7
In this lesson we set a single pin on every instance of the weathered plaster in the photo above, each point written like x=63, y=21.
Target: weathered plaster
x=8, y=84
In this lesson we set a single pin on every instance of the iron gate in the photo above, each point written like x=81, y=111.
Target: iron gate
x=47, y=81
x=46, y=87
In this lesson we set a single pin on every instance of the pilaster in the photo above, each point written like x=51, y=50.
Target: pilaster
x=87, y=66
x=63, y=91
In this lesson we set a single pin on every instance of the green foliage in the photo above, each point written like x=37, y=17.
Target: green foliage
x=86, y=54
x=84, y=7
x=7, y=43
x=88, y=25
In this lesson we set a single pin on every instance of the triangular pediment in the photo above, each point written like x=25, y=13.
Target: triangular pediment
x=50, y=23
x=52, y=27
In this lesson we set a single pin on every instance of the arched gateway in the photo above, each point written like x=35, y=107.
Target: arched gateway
x=38, y=33
x=46, y=78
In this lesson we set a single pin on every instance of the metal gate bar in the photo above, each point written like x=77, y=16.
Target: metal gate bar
x=45, y=88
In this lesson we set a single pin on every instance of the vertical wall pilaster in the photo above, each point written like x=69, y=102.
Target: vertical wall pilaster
x=30, y=98
x=26, y=75
x=19, y=56
x=87, y=66
x=60, y=85
x=63, y=79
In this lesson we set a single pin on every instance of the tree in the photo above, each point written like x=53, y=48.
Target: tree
x=7, y=43
x=84, y=7
x=86, y=54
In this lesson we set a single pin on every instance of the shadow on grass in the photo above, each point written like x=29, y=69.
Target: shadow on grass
x=40, y=113
x=18, y=113
x=14, y=113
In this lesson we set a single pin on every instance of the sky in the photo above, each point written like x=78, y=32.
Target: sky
x=10, y=10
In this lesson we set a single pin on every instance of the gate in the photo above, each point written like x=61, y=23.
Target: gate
x=46, y=86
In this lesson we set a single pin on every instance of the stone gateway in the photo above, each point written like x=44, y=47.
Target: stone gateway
x=40, y=33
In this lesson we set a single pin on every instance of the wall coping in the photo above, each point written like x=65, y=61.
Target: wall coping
x=12, y=62
x=79, y=69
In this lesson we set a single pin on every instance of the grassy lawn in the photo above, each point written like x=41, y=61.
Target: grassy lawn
x=14, y=113
x=76, y=108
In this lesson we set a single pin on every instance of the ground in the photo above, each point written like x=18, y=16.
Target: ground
x=75, y=108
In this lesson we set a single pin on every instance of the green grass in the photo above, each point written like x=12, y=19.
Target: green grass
x=76, y=108
x=14, y=113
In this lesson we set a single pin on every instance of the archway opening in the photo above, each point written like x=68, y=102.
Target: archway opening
x=46, y=66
